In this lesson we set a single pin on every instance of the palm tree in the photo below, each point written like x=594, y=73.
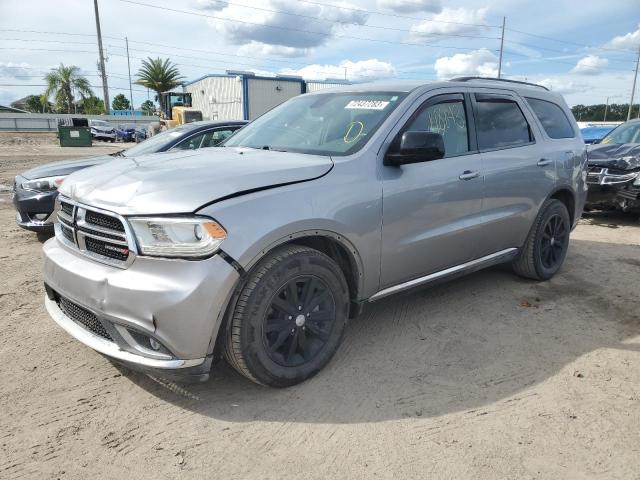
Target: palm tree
x=64, y=83
x=158, y=75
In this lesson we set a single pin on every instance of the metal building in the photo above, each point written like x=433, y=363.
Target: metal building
x=240, y=95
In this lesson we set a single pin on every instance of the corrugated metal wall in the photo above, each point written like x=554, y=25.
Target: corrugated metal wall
x=48, y=122
x=218, y=98
x=315, y=86
x=264, y=94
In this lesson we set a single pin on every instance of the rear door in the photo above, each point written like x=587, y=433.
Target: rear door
x=431, y=209
x=518, y=173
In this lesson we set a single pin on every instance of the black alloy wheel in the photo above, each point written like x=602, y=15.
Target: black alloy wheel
x=299, y=321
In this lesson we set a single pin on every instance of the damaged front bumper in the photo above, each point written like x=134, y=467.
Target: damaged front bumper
x=613, y=188
x=159, y=316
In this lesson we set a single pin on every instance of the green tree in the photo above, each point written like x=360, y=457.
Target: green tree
x=120, y=102
x=64, y=83
x=148, y=108
x=91, y=106
x=35, y=104
x=158, y=75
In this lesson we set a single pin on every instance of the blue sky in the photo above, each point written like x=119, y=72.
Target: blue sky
x=584, y=50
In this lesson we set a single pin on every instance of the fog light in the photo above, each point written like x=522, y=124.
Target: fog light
x=155, y=345
x=40, y=216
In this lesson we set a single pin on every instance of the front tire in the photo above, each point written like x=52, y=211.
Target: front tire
x=546, y=246
x=289, y=317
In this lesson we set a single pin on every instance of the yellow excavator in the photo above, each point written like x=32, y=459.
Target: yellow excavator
x=177, y=110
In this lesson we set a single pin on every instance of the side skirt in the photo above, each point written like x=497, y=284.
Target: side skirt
x=462, y=269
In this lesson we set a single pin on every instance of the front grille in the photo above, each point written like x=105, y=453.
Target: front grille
x=99, y=234
x=106, y=249
x=66, y=208
x=67, y=233
x=104, y=221
x=84, y=317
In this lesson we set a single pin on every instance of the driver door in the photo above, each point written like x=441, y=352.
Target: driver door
x=431, y=209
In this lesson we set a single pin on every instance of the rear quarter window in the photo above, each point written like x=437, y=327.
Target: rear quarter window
x=552, y=117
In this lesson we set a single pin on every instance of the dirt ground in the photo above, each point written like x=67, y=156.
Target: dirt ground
x=489, y=376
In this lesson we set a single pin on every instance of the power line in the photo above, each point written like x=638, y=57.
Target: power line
x=397, y=15
x=567, y=41
x=291, y=29
x=337, y=22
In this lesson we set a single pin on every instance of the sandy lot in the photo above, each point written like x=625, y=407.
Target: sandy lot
x=489, y=376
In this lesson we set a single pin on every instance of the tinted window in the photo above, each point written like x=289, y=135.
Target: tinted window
x=500, y=123
x=449, y=120
x=552, y=118
x=215, y=138
x=192, y=143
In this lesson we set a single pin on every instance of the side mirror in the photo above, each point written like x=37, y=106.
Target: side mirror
x=417, y=147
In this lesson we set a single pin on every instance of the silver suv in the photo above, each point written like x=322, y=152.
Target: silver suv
x=261, y=251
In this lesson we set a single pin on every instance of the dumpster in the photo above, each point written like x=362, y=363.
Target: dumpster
x=74, y=136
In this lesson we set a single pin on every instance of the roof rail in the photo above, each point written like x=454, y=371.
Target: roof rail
x=466, y=79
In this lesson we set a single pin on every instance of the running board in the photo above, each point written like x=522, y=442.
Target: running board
x=473, y=265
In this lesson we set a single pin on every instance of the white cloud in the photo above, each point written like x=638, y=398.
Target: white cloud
x=590, y=65
x=300, y=30
x=263, y=49
x=20, y=71
x=479, y=62
x=360, y=71
x=213, y=5
x=451, y=21
x=411, y=6
x=630, y=40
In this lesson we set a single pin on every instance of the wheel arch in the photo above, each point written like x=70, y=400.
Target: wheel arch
x=567, y=196
x=332, y=244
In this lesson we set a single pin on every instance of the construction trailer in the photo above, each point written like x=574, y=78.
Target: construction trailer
x=241, y=95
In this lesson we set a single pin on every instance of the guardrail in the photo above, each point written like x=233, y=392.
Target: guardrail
x=48, y=122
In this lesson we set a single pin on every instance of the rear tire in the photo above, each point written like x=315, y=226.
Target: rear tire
x=546, y=246
x=289, y=317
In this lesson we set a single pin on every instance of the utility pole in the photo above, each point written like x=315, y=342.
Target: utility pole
x=633, y=89
x=504, y=20
x=105, y=86
x=129, y=68
x=606, y=107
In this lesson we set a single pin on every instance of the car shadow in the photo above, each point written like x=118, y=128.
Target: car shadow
x=461, y=346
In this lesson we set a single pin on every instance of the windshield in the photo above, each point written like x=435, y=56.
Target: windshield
x=156, y=143
x=625, y=133
x=323, y=124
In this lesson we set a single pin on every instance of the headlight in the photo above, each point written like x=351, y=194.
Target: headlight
x=637, y=180
x=191, y=237
x=46, y=184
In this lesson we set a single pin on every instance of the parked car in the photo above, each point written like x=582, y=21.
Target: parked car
x=35, y=190
x=102, y=130
x=126, y=133
x=261, y=250
x=614, y=170
x=595, y=134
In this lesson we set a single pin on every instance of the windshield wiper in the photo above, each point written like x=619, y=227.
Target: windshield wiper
x=119, y=153
x=267, y=147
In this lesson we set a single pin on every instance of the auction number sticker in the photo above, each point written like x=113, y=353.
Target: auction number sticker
x=366, y=105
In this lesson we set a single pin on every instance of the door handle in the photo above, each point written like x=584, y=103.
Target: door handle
x=469, y=175
x=543, y=162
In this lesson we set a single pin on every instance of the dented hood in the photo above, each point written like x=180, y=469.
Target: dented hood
x=182, y=182
x=622, y=157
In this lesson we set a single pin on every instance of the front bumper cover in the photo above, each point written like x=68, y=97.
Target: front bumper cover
x=28, y=204
x=178, y=303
